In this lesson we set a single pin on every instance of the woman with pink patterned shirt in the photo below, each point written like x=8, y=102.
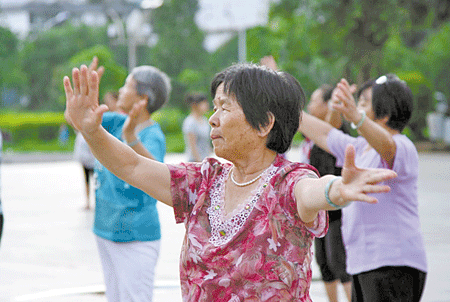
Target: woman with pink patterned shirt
x=249, y=221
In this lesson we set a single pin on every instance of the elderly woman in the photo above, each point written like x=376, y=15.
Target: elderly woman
x=384, y=245
x=250, y=221
x=126, y=225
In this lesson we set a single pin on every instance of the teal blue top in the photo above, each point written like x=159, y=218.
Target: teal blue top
x=124, y=213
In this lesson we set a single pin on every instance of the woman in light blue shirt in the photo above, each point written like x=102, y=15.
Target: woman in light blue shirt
x=126, y=219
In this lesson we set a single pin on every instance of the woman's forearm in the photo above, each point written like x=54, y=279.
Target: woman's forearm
x=146, y=174
x=315, y=129
x=380, y=139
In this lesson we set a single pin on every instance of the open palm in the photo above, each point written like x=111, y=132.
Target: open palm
x=357, y=183
x=82, y=108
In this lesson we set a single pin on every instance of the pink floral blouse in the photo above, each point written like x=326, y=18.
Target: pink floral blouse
x=260, y=252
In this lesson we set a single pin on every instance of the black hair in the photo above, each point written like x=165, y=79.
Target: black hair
x=260, y=91
x=390, y=97
x=195, y=98
x=327, y=92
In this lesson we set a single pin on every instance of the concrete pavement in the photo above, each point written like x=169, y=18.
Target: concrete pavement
x=48, y=251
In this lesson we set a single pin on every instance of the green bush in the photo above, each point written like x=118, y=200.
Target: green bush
x=422, y=102
x=26, y=126
x=170, y=119
x=38, y=132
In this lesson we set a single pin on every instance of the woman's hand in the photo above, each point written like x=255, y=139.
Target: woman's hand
x=269, y=61
x=82, y=109
x=132, y=121
x=343, y=101
x=94, y=67
x=357, y=183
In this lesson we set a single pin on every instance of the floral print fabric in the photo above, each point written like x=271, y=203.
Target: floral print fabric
x=269, y=257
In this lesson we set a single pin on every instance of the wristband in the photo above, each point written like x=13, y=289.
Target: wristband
x=133, y=143
x=361, y=121
x=327, y=194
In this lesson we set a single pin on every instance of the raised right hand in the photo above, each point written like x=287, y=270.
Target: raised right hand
x=82, y=109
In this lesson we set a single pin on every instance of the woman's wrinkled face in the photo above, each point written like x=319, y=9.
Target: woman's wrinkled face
x=128, y=95
x=365, y=103
x=232, y=136
x=316, y=106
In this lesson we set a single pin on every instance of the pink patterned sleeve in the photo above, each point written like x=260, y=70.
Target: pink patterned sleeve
x=320, y=227
x=185, y=182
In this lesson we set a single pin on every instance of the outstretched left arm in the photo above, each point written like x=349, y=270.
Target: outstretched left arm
x=355, y=185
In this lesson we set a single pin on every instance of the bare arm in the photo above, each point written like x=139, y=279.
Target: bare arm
x=334, y=118
x=376, y=135
x=315, y=129
x=85, y=114
x=354, y=185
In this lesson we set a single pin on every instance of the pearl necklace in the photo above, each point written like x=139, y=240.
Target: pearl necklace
x=245, y=183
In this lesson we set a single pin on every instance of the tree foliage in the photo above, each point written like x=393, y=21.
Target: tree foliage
x=112, y=79
x=11, y=76
x=50, y=49
x=316, y=41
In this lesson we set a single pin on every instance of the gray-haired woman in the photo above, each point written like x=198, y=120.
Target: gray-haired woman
x=126, y=219
x=250, y=221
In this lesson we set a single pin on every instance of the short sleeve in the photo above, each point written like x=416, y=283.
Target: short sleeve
x=293, y=174
x=154, y=141
x=112, y=120
x=189, y=183
x=406, y=157
x=337, y=142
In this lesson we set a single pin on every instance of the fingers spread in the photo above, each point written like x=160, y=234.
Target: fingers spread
x=375, y=189
x=67, y=88
x=94, y=64
x=76, y=80
x=366, y=198
x=84, y=90
x=349, y=162
x=378, y=176
x=100, y=71
x=93, y=86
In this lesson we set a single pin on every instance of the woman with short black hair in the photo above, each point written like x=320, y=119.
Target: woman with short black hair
x=384, y=244
x=250, y=220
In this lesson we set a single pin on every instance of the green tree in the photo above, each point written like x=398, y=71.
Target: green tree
x=180, y=47
x=112, y=79
x=11, y=76
x=321, y=41
x=50, y=49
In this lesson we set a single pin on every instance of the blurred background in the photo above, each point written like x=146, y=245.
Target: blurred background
x=191, y=40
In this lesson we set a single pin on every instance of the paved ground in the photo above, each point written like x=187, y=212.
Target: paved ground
x=48, y=251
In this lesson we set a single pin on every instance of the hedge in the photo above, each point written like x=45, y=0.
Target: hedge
x=24, y=129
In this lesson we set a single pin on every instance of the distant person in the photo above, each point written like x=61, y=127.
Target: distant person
x=126, y=224
x=250, y=220
x=329, y=250
x=110, y=99
x=1, y=209
x=196, y=129
x=63, y=135
x=83, y=154
x=384, y=245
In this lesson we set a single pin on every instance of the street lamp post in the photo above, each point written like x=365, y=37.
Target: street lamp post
x=137, y=30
